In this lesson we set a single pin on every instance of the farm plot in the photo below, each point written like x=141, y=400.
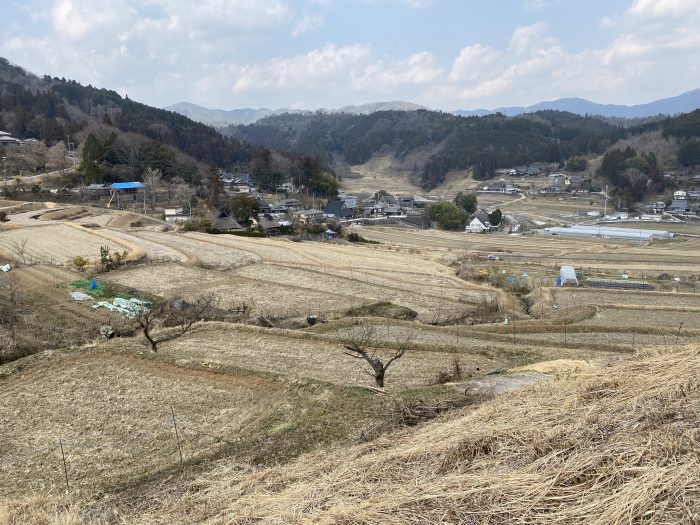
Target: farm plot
x=468, y=342
x=54, y=243
x=425, y=301
x=113, y=415
x=163, y=279
x=574, y=297
x=295, y=356
x=213, y=255
x=439, y=284
x=376, y=257
x=155, y=251
x=593, y=338
x=618, y=317
x=266, y=249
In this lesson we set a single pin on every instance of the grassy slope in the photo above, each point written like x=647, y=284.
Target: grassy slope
x=616, y=445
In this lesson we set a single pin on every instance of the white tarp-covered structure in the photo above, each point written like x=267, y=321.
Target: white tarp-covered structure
x=609, y=232
x=131, y=308
x=567, y=276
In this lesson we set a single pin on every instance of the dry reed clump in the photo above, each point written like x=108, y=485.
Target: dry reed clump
x=610, y=446
x=40, y=510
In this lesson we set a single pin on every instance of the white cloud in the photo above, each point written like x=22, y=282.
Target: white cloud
x=655, y=8
x=331, y=63
x=525, y=38
x=307, y=23
x=419, y=68
x=474, y=62
x=227, y=53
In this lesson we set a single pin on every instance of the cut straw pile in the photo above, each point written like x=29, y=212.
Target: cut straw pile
x=615, y=445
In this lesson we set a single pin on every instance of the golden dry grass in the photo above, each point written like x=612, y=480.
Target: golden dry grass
x=293, y=355
x=609, y=446
x=56, y=243
x=113, y=413
x=62, y=214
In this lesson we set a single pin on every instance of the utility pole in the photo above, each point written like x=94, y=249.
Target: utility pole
x=606, y=202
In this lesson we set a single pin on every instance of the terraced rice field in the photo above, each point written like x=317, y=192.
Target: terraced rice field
x=619, y=317
x=54, y=243
x=574, y=297
x=295, y=356
x=524, y=348
x=155, y=251
x=113, y=415
x=199, y=250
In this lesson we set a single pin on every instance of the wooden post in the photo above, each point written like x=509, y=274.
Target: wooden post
x=679, y=331
x=177, y=437
x=65, y=466
x=513, y=321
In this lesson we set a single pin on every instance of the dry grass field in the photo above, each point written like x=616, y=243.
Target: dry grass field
x=53, y=243
x=539, y=251
x=608, y=446
x=249, y=400
x=113, y=415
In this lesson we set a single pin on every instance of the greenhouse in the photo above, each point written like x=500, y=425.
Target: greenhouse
x=608, y=232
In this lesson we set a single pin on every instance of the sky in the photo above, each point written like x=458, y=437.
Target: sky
x=444, y=54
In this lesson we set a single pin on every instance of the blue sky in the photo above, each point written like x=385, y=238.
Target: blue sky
x=445, y=54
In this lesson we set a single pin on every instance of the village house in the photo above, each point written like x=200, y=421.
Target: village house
x=7, y=140
x=679, y=206
x=658, y=207
x=269, y=225
x=176, y=214
x=338, y=209
x=479, y=223
x=223, y=222
x=307, y=216
x=498, y=187
x=406, y=202
x=288, y=204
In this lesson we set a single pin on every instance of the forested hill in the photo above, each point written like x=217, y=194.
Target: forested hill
x=51, y=108
x=433, y=143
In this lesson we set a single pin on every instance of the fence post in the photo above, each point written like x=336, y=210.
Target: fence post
x=177, y=437
x=65, y=466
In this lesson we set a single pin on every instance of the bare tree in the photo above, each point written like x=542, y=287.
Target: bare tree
x=131, y=148
x=361, y=343
x=57, y=157
x=19, y=247
x=178, y=313
x=9, y=312
x=153, y=180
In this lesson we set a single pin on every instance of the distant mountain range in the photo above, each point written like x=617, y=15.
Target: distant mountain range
x=683, y=103
x=221, y=118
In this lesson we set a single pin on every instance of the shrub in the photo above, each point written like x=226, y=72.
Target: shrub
x=79, y=263
x=112, y=261
x=447, y=215
x=356, y=237
x=456, y=372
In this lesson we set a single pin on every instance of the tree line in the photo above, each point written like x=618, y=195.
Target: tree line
x=433, y=143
